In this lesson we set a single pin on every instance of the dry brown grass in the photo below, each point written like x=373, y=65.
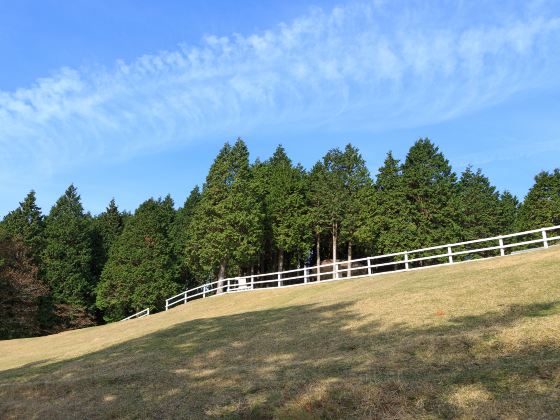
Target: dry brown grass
x=476, y=340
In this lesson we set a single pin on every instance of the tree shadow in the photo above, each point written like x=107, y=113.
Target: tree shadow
x=302, y=362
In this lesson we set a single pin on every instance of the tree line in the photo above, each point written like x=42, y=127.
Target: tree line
x=69, y=269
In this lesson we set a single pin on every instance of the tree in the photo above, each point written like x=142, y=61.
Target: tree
x=107, y=227
x=315, y=196
x=356, y=226
x=481, y=209
x=334, y=195
x=509, y=209
x=67, y=257
x=541, y=206
x=180, y=229
x=226, y=229
x=392, y=220
x=142, y=269
x=21, y=290
x=340, y=196
x=285, y=210
x=27, y=223
x=431, y=187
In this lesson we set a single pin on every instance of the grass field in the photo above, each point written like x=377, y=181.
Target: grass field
x=475, y=340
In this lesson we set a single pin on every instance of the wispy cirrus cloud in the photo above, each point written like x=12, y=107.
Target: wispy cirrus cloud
x=363, y=65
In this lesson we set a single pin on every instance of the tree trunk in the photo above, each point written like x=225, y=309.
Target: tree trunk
x=221, y=276
x=334, y=246
x=262, y=264
x=280, y=259
x=349, y=272
x=280, y=263
x=318, y=239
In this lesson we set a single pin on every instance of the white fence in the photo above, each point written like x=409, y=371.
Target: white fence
x=140, y=314
x=380, y=264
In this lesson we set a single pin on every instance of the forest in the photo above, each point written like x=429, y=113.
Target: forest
x=71, y=269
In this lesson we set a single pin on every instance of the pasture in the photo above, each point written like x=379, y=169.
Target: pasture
x=473, y=340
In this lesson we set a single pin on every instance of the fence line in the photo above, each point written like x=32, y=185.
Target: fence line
x=363, y=267
x=140, y=314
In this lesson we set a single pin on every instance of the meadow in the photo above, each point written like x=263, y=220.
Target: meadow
x=472, y=340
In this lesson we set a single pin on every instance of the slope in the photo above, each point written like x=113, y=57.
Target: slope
x=480, y=339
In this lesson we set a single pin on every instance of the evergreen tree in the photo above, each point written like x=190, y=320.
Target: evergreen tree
x=509, y=209
x=318, y=212
x=67, y=257
x=284, y=206
x=334, y=195
x=226, y=229
x=142, y=270
x=268, y=258
x=481, y=210
x=27, y=223
x=541, y=206
x=356, y=228
x=107, y=227
x=181, y=226
x=431, y=187
x=394, y=229
x=340, y=197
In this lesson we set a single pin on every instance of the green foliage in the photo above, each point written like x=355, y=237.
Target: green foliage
x=27, y=223
x=226, y=230
x=106, y=228
x=356, y=227
x=282, y=189
x=481, y=208
x=431, y=187
x=180, y=230
x=509, y=210
x=67, y=257
x=341, y=197
x=253, y=218
x=142, y=270
x=392, y=216
x=316, y=189
x=541, y=206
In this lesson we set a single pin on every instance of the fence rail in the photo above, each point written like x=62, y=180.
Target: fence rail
x=380, y=264
x=140, y=314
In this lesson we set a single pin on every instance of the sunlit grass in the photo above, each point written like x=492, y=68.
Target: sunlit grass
x=475, y=340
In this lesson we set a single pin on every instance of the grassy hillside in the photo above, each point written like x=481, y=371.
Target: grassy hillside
x=472, y=340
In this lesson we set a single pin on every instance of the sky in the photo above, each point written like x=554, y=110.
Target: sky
x=133, y=99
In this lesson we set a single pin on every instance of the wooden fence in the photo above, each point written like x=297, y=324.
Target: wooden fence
x=376, y=265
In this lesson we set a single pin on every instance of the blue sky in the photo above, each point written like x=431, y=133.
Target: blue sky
x=133, y=99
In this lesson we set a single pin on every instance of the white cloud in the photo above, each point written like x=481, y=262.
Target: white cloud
x=359, y=66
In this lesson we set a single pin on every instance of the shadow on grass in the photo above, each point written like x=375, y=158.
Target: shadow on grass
x=304, y=362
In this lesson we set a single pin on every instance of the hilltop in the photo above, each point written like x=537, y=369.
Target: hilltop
x=480, y=339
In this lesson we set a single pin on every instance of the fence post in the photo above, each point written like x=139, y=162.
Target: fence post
x=148, y=311
x=502, y=250
x=450, y=254
x=335, y=269
x=305, y=275
x=252, y=282
x=279, y=279
x=166, y=304
x=545, y=238
x=185, y=300
x=369, y=266
x=406, y=260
